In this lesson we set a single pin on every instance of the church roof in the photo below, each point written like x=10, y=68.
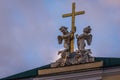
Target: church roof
x=107, y=62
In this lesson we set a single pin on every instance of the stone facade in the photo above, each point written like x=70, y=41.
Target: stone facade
x=112, y=73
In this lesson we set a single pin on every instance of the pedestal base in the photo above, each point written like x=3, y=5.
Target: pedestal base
x=71, y=68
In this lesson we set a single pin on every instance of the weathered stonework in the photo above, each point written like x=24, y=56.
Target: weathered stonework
x=71, y=68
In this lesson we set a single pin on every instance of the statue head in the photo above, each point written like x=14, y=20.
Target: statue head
x=63, y=29
x=87, y=29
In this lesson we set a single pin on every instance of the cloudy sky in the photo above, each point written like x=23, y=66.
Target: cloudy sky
x=29, y=30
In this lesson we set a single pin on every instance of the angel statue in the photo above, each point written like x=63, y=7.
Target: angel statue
x=82, y=39
x=86, y=36
x=66, y=37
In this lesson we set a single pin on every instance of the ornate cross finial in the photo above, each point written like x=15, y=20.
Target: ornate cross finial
x=68, y=55
x=73, y=14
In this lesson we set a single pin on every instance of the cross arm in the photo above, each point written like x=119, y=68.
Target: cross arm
x=76, y=13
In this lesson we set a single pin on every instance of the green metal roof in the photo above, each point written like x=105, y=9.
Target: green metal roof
x=26, y=74
x=107, y=62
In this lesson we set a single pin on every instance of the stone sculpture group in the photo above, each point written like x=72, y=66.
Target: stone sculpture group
x=68, y=55
x=81, y=55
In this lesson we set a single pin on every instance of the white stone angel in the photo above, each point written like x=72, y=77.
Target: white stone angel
x=84, y=38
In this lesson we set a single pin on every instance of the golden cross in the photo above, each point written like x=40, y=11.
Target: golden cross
x=73, y=14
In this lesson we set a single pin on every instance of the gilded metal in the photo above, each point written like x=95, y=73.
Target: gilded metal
x=76, y=13
x=73, y=14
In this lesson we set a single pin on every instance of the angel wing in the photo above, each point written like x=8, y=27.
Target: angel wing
x=89, y=39
x=60, y=39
